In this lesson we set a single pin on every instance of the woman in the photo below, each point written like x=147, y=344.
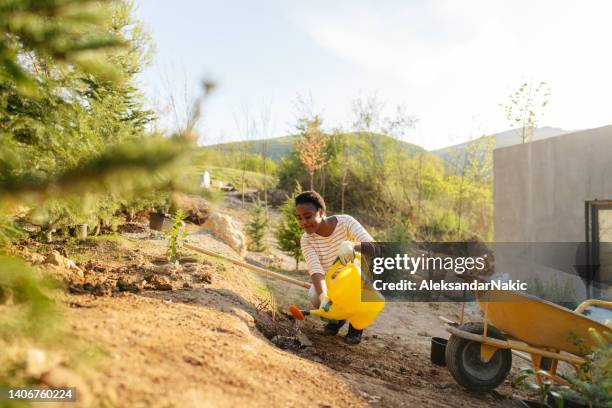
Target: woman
x=325, y=240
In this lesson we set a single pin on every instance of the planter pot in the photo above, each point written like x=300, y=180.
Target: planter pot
x=81, y=231
x=158, y=222
x=438, y=348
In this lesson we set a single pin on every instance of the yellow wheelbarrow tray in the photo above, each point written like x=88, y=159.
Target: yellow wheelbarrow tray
x=479, y=355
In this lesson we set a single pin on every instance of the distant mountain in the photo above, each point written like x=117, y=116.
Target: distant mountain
x=507, y=138
x=279, y=147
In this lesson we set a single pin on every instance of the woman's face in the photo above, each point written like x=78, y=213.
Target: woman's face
x=309, y=217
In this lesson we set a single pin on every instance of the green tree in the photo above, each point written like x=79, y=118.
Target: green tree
x=176, y=233
x=289, y=232
x=310, y=147
x=72, y=137
x=526, y=106
x=256, y=229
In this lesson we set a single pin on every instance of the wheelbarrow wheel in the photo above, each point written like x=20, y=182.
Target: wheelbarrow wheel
x=465, y=365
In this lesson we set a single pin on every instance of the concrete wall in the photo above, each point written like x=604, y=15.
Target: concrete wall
x=540, y=188
x=539, y=191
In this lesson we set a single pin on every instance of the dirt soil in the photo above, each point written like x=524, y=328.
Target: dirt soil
x=203, y=337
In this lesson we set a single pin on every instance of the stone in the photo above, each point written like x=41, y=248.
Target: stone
x=63, y=268
x=223, y=227
x=202, y=277
x=304, y=341
x=196, y=207
x=56, y=259
x=158, y=282
x=124, y=285
x=35, y=259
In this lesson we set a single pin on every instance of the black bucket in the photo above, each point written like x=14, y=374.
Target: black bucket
x=438, y=347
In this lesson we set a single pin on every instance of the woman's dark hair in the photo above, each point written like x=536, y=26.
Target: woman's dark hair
x=310, y=197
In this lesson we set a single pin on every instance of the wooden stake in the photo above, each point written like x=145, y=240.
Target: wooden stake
x=254, y=268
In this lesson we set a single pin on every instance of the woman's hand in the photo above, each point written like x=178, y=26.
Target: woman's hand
x=346, y=252
x=325, y=302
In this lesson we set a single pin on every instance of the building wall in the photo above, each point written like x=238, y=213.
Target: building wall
x=539, y=195
x=540, y=188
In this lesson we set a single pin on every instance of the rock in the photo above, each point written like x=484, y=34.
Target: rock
x=304, y=341
x=157, y=282
x=188, y=260
x=55, y=259
x=197, y=208
x=292, y=343
x=202, y=277
x=223, y=227
x=35, y=258
x=124, y=285
x=92, y=265
x=96, y=289
x=199, y=273
x=193, y=267
x=68, y=276
x=194, y=361
x=168, y=269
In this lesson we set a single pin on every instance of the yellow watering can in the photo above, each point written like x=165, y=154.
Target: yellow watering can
x=346, y=289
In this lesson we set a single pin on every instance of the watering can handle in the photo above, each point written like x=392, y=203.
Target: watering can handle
x=337, y=265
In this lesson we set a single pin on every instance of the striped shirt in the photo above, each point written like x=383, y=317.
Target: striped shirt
x=321, y=252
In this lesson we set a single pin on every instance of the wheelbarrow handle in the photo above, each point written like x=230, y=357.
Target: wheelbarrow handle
x=593, y=302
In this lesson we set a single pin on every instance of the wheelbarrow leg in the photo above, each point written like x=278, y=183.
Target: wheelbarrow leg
x=536, y=359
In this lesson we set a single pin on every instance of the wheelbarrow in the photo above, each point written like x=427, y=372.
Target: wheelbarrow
x=479, y=355
x=352, y=298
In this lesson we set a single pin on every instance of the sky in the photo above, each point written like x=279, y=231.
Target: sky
x=448, y=63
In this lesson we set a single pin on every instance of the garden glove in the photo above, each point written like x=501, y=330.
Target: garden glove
x=325, y=302
x=346, y=252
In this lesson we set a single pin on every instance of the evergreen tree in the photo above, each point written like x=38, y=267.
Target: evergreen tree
x=289, y=233
x=256, y=229
x=72, y=138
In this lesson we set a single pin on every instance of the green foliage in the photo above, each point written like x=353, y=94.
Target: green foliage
x=33, y=312
x=289, y=232
x=231, y=156
x=73, y=143
x=525, y=106
x=561, y=293
x=257, y=227
x=176, y=232
x=401, y=192
x=591, y=385
x=59, y=31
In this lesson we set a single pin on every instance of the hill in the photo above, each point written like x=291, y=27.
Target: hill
x=507, y=138
x=279, y=147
